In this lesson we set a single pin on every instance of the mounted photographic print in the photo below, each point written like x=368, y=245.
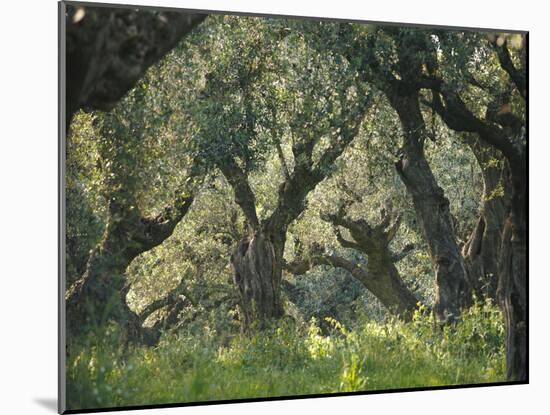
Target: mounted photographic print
x=277, y=207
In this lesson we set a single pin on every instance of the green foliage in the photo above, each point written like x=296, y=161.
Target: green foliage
x=292, y=359
x=85, y=208
x=289, y=79
x=197, y=253
x=253, y=91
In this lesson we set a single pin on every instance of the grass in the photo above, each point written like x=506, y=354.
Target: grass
x=292, y=359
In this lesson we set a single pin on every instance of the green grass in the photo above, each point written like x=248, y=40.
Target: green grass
x=291, y=360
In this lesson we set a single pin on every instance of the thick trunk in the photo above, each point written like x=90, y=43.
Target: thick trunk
x=512, y=288
x=109, y=50
x=482, y=249
x=432, y=210
x=257, y=267
x=387, y=285
x=506, y=131
x=100, y=294
x=380, y=276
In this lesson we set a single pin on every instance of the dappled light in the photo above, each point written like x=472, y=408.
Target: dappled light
x=266, y=207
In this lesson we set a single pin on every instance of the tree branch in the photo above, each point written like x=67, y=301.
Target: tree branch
x=244, y=196
x=345, y=130
x=344, y=242
x=294, y=190
x=459, y=118
x=392, y=231
x=301, y=266
x=162, y=226
x=167, y=300
x=518, y=76
x=407, y=249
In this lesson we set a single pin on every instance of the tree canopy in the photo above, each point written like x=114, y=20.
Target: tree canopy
x=283, y=174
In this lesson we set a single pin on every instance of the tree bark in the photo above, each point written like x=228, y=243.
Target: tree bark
x=512, y=288
x=506, y=132
x=380, y=276
x=100, y=294
x=110, y=48
x=432, y=210
x=482, y=249
x=257, y=273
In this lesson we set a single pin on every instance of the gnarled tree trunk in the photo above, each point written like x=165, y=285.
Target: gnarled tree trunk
x=100, y=294
x=505, y=131
x=482, y=249
x=432, y=210
x=257, y=266
x=512, y=287
x=380, y=276
x=386, y=284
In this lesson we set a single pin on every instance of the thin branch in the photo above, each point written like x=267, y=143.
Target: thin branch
x=294, y=190
x=392, y=231
x=407, y=249
x=518, y=76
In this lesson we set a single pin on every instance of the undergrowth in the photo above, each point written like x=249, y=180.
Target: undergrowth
x=292, y=359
